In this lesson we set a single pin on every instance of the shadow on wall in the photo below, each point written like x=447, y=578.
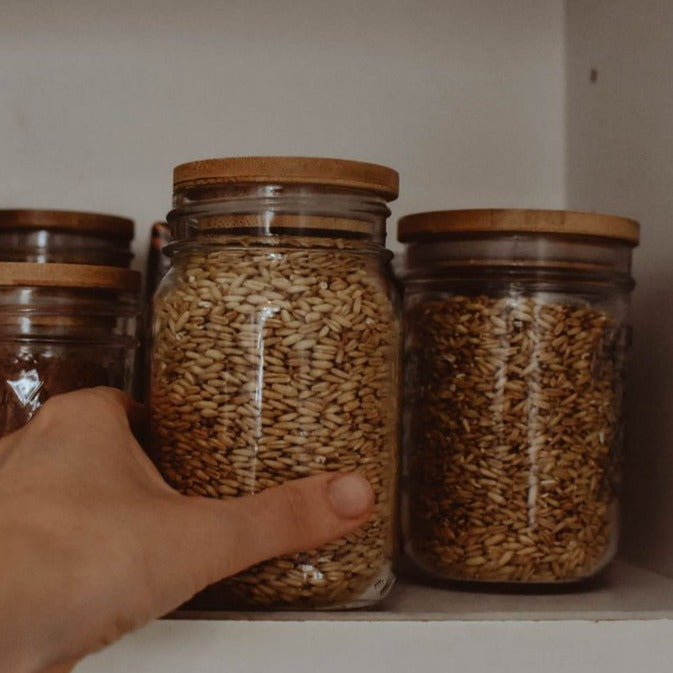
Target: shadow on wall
x=649, y=445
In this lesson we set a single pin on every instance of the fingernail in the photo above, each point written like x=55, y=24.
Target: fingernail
x=350, y=495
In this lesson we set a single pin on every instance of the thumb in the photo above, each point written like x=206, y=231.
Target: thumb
x=224, y=537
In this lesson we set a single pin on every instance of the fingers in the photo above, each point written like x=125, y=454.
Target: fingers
x=299, y=515
x=231, y=535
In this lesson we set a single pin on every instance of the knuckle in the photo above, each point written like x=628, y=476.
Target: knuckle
x=106, y=399
x=95, y=403
x=55, y=409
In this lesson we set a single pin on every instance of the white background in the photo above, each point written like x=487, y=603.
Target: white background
x=619, y=140
x=99, y=100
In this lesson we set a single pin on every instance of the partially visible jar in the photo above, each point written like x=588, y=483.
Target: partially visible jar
x=276, y=355
x=515, y=350
x=63, y=327
x=158, y=262
x=65, y=236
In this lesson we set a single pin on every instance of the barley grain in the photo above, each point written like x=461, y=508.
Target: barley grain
x=512, y=449
x=281, y=377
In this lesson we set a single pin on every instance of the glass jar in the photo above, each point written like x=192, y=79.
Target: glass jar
x=276, y=353
x=515, y=347
x=65, y=236
x=63, y=327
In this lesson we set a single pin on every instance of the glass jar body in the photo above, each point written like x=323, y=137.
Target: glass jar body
x=276, y=355
x=55, y=340
x=514, y=379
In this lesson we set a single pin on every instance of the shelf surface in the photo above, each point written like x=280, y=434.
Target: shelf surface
x=624, y=592
x=618, y=625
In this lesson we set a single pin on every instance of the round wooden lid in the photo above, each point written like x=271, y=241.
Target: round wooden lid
x=69, y=220
x=83, y=276
x=289, y=170
x=439, y=223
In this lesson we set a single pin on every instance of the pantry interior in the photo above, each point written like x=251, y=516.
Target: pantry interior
x=541, y=104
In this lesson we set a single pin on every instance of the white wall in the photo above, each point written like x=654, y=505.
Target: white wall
x=99, y=100
x=620, y=159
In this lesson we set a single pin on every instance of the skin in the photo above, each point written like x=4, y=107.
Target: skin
x=93, y=542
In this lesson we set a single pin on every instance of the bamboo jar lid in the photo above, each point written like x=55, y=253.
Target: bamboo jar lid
x=80, y=276
x=289, y=170
x=444, y=223
x=74, y=221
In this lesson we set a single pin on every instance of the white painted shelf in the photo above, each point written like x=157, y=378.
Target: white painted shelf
x=625, y=592
x=616, y=625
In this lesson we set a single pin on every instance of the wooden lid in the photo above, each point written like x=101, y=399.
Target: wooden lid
x=83, y=276
x=441, y=223
x=289, y=170
x=70, y=220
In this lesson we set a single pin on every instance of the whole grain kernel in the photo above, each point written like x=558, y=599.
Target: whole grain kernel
x=513, y=422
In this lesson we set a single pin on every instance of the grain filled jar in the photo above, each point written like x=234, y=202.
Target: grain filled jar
x=276, y=355
x=65, y=236
x=63, y=327
x=516, y=341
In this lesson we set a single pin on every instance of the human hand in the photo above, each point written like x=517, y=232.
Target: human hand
x=93, y=542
